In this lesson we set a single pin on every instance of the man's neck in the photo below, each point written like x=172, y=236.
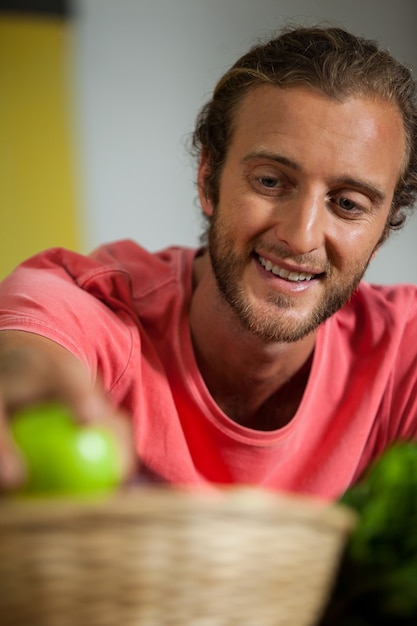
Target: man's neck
x=256, y=383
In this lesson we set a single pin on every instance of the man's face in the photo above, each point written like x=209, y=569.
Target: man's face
x=304, y=198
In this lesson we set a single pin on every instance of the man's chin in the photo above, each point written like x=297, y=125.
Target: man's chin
x=281, y=325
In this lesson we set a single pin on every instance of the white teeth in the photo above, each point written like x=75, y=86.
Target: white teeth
x=282, y=273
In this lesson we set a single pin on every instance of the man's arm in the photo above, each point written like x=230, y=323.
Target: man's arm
x=33, y=368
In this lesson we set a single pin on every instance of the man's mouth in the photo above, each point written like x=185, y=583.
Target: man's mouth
x=284, y=273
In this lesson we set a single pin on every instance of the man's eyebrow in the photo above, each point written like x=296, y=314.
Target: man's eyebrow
x=374, y=192
x=377, y=195
x=272, y=156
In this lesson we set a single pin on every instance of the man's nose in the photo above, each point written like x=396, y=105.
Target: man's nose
x=302, y=223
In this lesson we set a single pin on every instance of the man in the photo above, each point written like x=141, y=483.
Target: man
x=260, y=358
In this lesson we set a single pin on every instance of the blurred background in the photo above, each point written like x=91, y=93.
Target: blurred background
x=98, y=100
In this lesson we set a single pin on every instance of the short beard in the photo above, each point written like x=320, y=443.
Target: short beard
x=228, y=270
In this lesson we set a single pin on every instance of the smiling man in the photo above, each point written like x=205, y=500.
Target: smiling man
x=262, y=357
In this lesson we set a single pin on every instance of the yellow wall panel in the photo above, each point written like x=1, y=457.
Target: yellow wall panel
x=38, y=199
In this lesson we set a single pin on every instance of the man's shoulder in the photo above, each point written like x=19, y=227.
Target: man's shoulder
x=374, y=306
x=121, y=269
x=385, y=296
x=146, y=271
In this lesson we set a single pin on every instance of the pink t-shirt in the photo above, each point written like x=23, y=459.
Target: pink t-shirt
x=124, y=312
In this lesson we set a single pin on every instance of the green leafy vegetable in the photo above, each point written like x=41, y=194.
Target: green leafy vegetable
x=377, y=582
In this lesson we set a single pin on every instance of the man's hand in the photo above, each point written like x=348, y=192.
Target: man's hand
x=34, y=369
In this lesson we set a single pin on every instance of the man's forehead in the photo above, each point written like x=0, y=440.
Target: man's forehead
x=267, y=103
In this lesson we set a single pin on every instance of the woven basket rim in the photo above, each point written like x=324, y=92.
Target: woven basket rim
x=132, y=504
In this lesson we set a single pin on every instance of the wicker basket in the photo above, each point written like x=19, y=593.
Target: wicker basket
x=156, y=557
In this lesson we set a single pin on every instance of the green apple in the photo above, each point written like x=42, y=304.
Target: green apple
x=62, y=456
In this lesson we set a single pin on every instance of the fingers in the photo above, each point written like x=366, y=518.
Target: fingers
x=26, y=376
x=19, y=385
x=33, y=369
x=90, y=405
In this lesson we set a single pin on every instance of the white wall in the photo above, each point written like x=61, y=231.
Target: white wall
x=143, y=68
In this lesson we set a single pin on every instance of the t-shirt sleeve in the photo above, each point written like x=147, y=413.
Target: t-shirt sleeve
x=79, y=302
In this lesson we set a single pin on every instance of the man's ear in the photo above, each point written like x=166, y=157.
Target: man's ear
x=374, y=253
x=378, y=246
x=203, y=173
x=385, y=234
x=380, y=243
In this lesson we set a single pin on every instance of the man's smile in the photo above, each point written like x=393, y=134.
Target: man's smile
x=292, y=276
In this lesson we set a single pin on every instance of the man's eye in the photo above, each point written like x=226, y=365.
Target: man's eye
x=268, y=181
x=346, y=204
